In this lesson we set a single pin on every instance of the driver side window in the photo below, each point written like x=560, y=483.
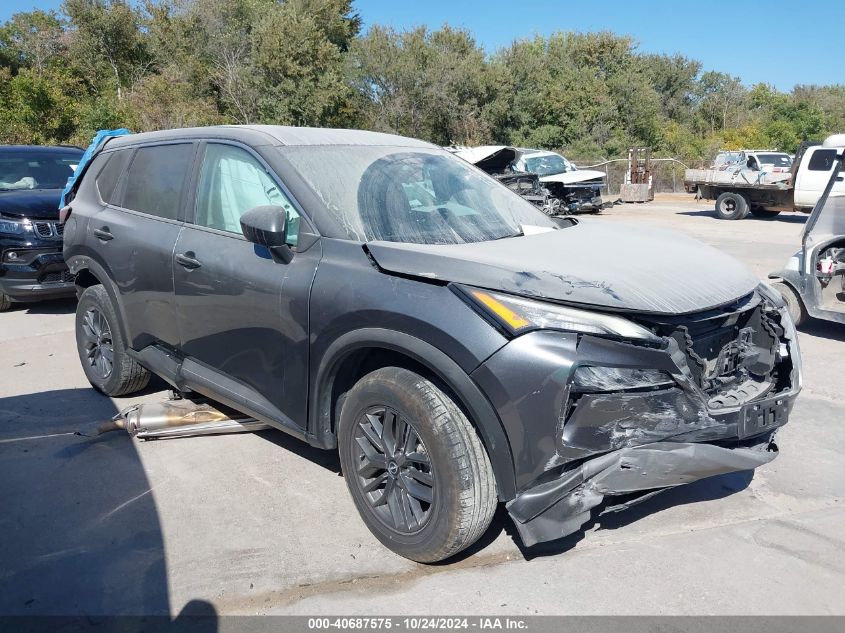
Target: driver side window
x=231, y=183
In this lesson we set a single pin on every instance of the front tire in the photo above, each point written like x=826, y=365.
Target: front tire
x=731, y=206
x=102, y=350
x=794, y=304
x=414, y=465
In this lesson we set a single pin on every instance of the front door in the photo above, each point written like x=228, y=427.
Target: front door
x=243, y=314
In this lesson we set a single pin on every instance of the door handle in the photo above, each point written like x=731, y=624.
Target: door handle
x=103, y=234
x=840, y=179
x=185, y=260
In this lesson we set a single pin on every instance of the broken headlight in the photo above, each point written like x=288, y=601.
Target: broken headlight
x=588, y=378
x=518, y=315
x=774, y=297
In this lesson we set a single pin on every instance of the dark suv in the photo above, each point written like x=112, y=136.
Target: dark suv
x=31, y=180
x=377, y=295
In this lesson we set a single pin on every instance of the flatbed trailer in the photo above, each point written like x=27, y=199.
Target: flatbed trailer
x=741, y=192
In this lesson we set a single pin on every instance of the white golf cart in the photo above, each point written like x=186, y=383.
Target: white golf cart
x=813, y=282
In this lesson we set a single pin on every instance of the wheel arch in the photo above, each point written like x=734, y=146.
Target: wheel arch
x=357, y=353
x=87, y=273
x=791, y=278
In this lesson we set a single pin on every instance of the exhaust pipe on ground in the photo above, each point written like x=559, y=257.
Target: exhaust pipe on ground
x=178, y=418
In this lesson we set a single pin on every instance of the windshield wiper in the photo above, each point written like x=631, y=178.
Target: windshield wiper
x=505, y=237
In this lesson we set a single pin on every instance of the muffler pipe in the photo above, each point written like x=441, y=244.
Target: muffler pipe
x=178, y=418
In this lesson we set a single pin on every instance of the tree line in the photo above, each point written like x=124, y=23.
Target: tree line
x=171, y=63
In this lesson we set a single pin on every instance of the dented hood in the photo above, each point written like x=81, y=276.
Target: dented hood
x=611, y=266
x=574, y=177
x=489, y=157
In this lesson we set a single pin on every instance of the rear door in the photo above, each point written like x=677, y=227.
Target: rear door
x=243, y=315
x=143, y=192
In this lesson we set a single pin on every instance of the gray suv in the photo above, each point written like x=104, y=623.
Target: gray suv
x=376, y=295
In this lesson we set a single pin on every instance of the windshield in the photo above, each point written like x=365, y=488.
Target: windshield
x=778, y=160
x=34, y=170
x=415, y=195
x=548, y=165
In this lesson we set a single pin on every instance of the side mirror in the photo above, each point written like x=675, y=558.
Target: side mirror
x=265, y=225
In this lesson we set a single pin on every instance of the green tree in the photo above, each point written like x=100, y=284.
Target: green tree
x=429, y=84
x=32, y=40
x=107, y=38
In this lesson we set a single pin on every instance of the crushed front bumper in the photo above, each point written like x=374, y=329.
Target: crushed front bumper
x=571, y=449
x=560, y=507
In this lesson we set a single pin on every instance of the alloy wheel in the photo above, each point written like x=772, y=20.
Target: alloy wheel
x=98, y=344
x=394, y=470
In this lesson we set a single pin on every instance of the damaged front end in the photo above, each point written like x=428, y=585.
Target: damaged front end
x=590, y=416
x=528, y=186
x=581, y=197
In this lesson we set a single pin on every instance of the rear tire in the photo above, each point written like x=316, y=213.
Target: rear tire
x=5, y=302
x=102, y=350
x=731, y=206
x=441, y=459
x=794, y=304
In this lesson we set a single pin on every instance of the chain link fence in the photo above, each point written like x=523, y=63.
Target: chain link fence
x=667, y=173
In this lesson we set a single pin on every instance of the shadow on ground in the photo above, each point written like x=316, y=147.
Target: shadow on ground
x=708, y=489
x=81, y=535
x=790, y=218
x=824, y=329
x=57, y=306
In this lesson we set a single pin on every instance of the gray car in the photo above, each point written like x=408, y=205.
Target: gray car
x=376, y=295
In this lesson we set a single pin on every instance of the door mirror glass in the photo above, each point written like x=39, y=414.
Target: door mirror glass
x=265, y=225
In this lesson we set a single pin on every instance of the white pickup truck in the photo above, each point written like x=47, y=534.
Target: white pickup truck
x=741, y=191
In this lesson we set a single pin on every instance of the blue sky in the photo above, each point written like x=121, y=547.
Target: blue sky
x=778, y=42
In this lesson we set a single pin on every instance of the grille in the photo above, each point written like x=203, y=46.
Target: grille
x=57, y=277
x=49, y=230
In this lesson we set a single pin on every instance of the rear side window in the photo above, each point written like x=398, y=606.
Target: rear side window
x=822, y=160
x=156, y=178
x=109, y=175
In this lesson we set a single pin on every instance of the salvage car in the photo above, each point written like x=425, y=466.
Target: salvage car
x=498, y=161
x=768, y=160
x=31, y=263
x=579, y=190
x=378, y=296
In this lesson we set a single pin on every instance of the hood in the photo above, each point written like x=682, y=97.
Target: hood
x=489, y=157
x=611, y=266
x=575, y=177
x=42, y=204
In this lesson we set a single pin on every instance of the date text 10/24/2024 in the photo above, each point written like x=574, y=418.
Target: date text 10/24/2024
x=422, y=623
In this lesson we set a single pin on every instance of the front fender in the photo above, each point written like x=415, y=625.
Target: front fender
x=481, y=412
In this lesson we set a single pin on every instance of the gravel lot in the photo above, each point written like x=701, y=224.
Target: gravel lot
x=261, y=523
